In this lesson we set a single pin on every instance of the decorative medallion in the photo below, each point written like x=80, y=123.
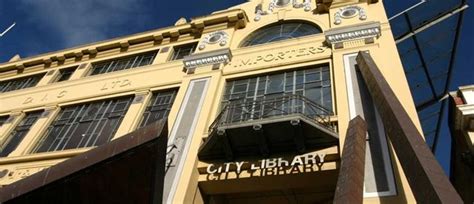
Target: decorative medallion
x=220, y=37
x=349, y=12
x=281, y=3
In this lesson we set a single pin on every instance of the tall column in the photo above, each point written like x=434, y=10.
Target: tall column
x=182, y=133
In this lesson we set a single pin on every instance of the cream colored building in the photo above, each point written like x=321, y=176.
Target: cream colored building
x=461, y=121
x=242, y=62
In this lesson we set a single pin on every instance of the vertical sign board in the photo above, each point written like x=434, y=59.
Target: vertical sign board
x=181, y=134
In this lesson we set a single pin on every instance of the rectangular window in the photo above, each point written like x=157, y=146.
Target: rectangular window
x=3, y=119
x=159, y=107
x=65, y=74
x=20, y=83
x=183, y=50
x=84, y=125
x=128, y=62
x=279, y=94
x=15, y=137
x=313, y=83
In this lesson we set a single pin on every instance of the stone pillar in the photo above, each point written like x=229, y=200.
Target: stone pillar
x=350, y=183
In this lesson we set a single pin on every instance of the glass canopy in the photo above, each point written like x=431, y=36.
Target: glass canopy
x=427, y=37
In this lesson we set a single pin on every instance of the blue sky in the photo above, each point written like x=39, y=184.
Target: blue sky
x=50, y=25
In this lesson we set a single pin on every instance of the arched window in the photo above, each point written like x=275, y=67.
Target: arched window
x=280, y=31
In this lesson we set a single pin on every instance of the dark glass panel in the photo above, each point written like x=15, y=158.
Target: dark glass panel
x=85, y=125
x=20, y=83
x=128, y=62
x=15, y=137
x=159, y=107
x=65, y=74
x=179, y=52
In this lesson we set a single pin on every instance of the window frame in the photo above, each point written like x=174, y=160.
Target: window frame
x=111, y=62
x=40, y=76
x=25, y=123
x=174, y=57
x=150, y=107
x=324, y=66
x=71, y=117
x=245, y=42
x=60, y=72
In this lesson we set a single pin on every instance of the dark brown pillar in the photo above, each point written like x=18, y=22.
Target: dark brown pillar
x=427, y=179
x=350, y=183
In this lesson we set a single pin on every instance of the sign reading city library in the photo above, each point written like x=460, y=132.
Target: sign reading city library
x=316, y=158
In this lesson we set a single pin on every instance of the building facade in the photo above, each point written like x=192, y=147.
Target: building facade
x=258, y=99
x=461, y=122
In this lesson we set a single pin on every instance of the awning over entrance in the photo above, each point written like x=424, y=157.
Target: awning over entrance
x=130, y=169
x=285, y=124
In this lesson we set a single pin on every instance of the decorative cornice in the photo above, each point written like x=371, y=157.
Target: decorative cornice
x=207, y=58
x=195, y=26
x=360, y=31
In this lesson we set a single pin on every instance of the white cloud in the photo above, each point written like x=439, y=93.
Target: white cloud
x=84, y=21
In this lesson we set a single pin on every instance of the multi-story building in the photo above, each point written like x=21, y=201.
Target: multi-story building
x=462, y=133
x=258, y=99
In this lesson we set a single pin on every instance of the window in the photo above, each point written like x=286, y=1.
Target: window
x=20, y=83
x=133, y=61
x=280, y=31
x=159, y=106
x=313, y=83
x=183, y=50
x=65, y=74
x=19, y=133
x=84, y=125
x=3, y=120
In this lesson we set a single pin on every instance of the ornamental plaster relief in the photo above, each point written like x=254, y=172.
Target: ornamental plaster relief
x=264, y=9
x=10, y=174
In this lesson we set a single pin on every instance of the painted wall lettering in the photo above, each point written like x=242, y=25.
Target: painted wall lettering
x=116, y=84
x=281, y=55
x=45, y=97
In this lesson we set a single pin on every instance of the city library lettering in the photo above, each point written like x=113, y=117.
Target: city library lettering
x=274, y=165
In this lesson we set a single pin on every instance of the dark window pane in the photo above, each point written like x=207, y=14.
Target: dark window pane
x=20, y=83
x=159, y=107
x=3, y=119
x=275, y=83
x=85, y=125
x=184, y=50
x=65, y=74
x=15, y=137
x=128, y=62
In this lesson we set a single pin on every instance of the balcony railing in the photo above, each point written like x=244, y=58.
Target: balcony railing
x=235, y=112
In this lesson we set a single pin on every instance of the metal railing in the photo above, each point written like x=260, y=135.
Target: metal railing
x=238, y=111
